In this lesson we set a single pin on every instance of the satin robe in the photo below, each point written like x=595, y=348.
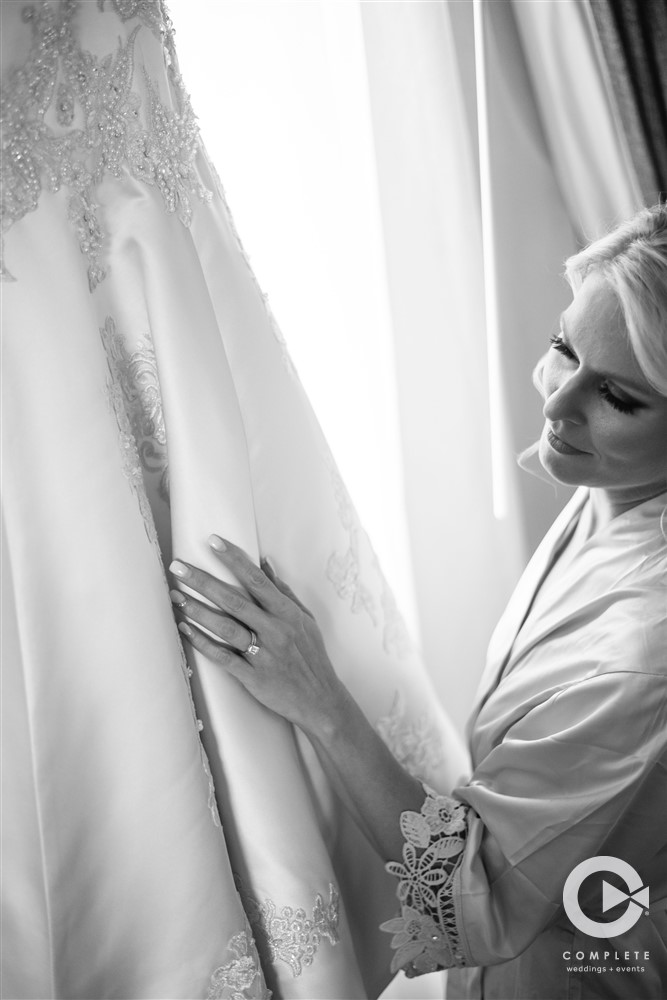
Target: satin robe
x=569, y=748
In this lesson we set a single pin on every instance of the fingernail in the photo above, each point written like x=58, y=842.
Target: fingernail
x=177, y=598
x=179, y=569
x=266, y=564
x=216, y=543
x=185, y=629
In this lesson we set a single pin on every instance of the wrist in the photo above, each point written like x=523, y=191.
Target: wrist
x=330, y=717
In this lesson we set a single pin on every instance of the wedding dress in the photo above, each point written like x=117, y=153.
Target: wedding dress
x=163, y=834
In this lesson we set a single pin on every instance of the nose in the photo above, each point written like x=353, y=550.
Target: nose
x=564, y=400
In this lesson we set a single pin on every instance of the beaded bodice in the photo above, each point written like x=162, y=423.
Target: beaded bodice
x=90, y=91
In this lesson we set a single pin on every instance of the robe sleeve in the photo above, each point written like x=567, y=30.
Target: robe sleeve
x=483, y=872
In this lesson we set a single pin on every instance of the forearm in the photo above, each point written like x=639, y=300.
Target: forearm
x=373, y=785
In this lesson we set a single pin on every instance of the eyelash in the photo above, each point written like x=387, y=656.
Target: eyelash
x=618, y=404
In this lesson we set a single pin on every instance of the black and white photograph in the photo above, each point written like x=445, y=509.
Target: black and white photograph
x=334, y=499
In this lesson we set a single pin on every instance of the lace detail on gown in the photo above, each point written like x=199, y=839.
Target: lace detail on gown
x=240, y=978
x=344, y=570
x=414, y=742
x=68, y=119
x=395, y=635
x=425, y=935
x=135, y=388
x=137, y=374
x=291, y=936
x=132, y=466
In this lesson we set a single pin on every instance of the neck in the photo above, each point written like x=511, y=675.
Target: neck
x=608, y=504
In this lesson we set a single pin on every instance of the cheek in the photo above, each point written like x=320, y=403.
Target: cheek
x=627, y=441
x=548, y=374
x=538, y=375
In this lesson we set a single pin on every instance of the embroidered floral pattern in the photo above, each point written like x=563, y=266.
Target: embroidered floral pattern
x=425, y=935
x=99, y=125
x=290, y=934
x=414, y=742
x=136, y=374
x=344, y=570
x=117, y=400
x=241, y=977
x=395, y=636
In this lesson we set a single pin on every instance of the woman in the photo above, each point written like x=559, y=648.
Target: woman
x=568, y=737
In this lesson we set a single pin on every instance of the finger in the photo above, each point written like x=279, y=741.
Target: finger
x=283, y=587
x=222, y=595
x=253, y=578
x=220, y=625
x=223, y=655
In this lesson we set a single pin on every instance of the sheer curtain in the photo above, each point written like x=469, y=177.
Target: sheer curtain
x=280, y=91
x=352, y=178
x=408, y=179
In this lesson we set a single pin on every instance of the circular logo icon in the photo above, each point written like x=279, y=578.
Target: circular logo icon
x=636, y=896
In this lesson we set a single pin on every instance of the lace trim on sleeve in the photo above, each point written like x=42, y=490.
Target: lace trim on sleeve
x=425, y=935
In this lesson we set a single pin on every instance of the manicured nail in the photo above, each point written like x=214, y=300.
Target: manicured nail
x=179, y=569
x=216, y=543
x=185, y=629
x=177, y=598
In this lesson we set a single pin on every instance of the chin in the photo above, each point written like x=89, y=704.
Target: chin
x=562, y=468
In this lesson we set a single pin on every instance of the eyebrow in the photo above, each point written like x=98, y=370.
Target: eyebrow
x=620, y=379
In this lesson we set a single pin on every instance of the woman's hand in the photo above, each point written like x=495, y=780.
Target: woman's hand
x=291, y=674
x=268, y=641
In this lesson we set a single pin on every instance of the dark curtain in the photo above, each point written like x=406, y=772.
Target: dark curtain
x=633, y=36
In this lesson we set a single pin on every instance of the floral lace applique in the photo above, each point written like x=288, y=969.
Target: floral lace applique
x=136, y=374
x=99, y=125
x=290, y=935
x=344, y=571
x=425, y=935
x=414, y=742
x=132, y=466
x=241, y=977
x=395, y=636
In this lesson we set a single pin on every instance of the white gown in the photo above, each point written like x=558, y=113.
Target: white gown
x=163, y=835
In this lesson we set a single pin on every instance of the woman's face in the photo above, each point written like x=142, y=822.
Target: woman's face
x=605, y=426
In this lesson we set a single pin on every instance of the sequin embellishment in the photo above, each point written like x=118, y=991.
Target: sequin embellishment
x=68, y=119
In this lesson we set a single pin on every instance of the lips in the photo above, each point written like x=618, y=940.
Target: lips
x=564, y=447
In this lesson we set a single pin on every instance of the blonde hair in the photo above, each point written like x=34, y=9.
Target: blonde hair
x=633, y=260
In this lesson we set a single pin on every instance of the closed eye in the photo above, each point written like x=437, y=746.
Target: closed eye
x=559, y=345
x=622, y=405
